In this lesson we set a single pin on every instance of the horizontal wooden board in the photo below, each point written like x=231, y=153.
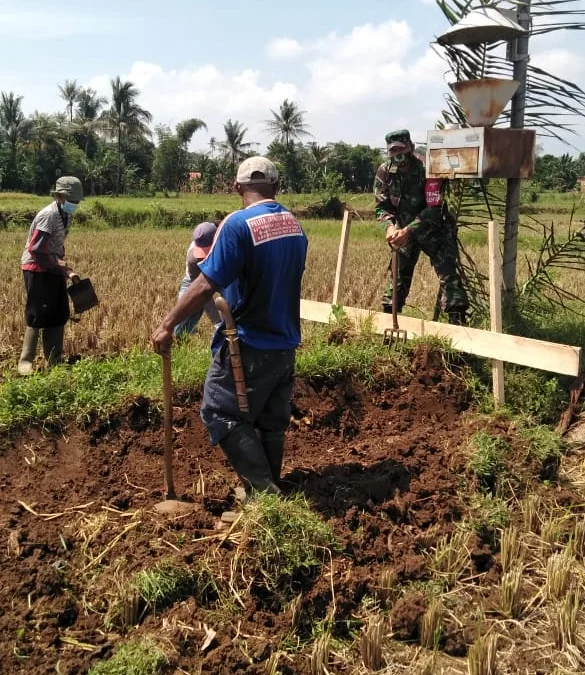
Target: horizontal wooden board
x=550, y=356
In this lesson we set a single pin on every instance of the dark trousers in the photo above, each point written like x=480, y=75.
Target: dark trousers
x=47, y=302
x=440, y=244
x=269, y=381
x=252, y=441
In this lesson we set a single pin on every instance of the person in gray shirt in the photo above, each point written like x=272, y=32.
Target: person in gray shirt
x=46, y=273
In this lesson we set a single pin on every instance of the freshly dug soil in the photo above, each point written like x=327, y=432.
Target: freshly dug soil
x=385, y=467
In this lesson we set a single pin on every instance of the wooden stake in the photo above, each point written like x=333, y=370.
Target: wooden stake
x=495, y=282
x=341, y=257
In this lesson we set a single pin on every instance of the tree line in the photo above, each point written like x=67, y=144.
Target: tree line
x=110, y=145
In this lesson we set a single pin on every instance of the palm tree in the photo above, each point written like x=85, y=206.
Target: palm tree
x=44, y=133
x=288, y=124
x=14, y=126
x=89, y=106
x=318, y=155
x=98, y=167
x=212, y=145
x=234, y=144
x=187, y=128
x=69, y=93
x=125, y=118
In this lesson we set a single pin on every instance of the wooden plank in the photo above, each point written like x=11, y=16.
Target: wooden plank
x=549, y=356
x=321, y=312
x=341, y=257
x=495, y=286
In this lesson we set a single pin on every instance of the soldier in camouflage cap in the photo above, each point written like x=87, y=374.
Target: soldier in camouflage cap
x=415, y=215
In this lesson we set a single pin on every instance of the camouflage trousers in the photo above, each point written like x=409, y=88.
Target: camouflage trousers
x=439, y=242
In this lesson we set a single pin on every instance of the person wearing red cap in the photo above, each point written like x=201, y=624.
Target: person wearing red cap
x=198, y=249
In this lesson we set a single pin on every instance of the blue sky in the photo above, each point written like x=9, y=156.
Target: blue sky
x=358, y=69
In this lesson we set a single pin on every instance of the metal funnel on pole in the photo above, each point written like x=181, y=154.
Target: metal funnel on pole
x=483, y=100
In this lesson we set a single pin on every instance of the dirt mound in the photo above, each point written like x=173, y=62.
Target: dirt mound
x=383, y=466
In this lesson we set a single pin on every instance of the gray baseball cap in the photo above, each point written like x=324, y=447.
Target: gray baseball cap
x=70, y=186
x=257, y=165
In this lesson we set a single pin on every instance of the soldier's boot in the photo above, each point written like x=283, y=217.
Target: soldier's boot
x=273, y=444
x=458, y=317
x=29, y=350
x=53, y=344
x=246, y=454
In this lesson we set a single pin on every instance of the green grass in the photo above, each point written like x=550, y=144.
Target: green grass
x=488, y=516
x=184, y=210
x=134, y=658
x=487, y=461
x=164, y=584
x=95, y=387
x=546, y=447
x=535, y=395
x=287, y=538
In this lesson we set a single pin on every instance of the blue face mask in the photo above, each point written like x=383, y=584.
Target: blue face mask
x=68, y=207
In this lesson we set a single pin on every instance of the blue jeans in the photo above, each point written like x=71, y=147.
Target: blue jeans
x=189, y=325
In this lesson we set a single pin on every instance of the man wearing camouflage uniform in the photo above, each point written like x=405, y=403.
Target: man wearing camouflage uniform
x=415, y=215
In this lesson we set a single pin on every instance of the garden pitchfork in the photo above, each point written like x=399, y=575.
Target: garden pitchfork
x=394, y=335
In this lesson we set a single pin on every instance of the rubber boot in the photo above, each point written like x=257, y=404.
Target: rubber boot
x=273, y=444
x=245, y=453
x=458, y=318
x=53, y=344
x=29, y=350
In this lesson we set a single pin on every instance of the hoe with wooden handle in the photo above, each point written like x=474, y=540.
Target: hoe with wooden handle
x=171, y=505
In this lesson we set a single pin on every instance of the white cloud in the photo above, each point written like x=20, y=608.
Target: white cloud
x=205, y=92
x=355, y=86
x=283, y=48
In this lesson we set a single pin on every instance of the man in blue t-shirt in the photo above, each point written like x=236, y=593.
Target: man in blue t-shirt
x=257, y=262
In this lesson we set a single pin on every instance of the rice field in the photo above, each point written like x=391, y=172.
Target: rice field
x=137, y=271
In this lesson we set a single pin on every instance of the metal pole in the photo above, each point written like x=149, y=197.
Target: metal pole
x=513, y=187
